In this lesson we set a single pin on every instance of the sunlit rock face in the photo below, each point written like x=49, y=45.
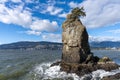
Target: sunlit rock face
x=75, y=41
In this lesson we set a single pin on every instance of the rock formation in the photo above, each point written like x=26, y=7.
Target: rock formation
x=75, y=41
x=76, y=55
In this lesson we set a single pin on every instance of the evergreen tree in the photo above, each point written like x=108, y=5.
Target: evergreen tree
x=78, y=12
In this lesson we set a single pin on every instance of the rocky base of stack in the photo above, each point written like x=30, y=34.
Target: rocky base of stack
x=112, y=77
x=82, y=69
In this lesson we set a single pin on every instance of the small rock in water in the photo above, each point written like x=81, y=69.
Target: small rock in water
x=105, y=59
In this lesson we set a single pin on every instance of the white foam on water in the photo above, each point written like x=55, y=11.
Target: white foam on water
x=99, y=74
x=44, y=71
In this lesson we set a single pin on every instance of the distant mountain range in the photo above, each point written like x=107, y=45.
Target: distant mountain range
x=32, y=45
x=26, y=45
x=105, y=44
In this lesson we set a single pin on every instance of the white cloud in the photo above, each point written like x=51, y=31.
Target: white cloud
x=3, y=1
x=52, y=37
x=63, y=15
x=49, y=7
x=60, y=2
x=52, y=10
x=103, y=38
x=29, y=1
x=99, y=12
x=73, y=4
x=44, y=25
x=16, y=1
x=23, y=17
x=117, y=31
x=33, y=32
x=51, y=2
x=15, y=16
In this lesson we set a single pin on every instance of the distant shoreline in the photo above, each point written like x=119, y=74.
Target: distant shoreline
x=118, y=49
x=26, y=45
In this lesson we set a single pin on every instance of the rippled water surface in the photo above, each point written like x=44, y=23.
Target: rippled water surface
x=34, y=65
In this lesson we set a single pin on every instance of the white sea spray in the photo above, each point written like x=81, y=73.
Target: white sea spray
x=44, y=71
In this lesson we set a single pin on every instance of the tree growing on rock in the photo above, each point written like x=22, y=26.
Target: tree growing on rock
x=76, y=13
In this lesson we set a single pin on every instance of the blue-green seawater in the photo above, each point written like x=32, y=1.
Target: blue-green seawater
x=31, y=64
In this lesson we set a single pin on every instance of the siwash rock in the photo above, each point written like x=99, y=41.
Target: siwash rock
x=76, y=55
x=75, y=41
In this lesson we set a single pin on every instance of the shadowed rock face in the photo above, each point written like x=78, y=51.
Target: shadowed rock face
x=75, y=41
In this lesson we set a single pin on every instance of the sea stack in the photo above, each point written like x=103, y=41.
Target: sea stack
x=76, y=55
x=75, y=40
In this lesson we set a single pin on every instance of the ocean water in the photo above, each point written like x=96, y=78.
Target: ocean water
x=35, y=65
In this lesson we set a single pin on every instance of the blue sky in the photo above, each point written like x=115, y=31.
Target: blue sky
x=41, y=20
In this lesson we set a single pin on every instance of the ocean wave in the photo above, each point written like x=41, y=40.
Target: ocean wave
x=45, y=72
